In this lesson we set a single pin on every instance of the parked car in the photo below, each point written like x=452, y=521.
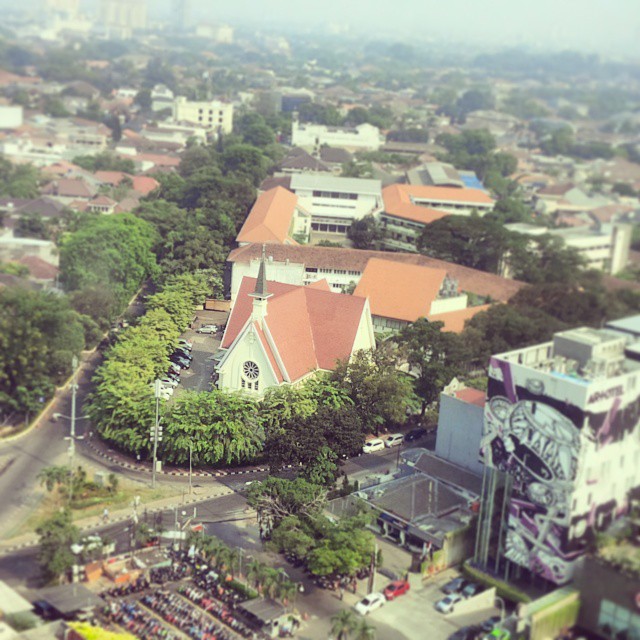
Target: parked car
x=372, y=602
x=169, y=382
x=172, y=374
x=164, y=392
x=208, y=328
x=498, y=634
x=183, y=352
x=490, y=624
x=187, y=344
x=471, y=589
x=373, y=445
x=183, y=363
x=415, y=434
x=174, y=367
x=447, y=604
x=394, y=440
x=454, y=586
x=471, y=632
x=395, y=589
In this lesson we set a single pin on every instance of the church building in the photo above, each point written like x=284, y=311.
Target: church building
x=281, y=333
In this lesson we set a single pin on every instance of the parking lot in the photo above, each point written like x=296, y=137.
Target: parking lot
x=198, y=376
x=413, y=616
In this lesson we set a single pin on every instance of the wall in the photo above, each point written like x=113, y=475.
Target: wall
x=571, y=447
x=311, y=135
x=460, y=426
x=287, y=272
x=10, y=117
x=446, y=305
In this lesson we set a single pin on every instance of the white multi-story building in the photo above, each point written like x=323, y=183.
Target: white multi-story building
x=334, y=203
x=561, y=448
x=313, y=136
x=605, y=248
x=214, y=114
x=120, y=18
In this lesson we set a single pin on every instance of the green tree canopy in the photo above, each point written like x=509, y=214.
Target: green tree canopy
x=56, y=535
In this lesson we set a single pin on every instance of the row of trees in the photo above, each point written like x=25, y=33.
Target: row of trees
x=122, y=405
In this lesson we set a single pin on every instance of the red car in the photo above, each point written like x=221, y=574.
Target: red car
x=395, y=589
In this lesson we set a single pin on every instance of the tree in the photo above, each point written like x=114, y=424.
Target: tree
x=364, y=631
x=31, y=225
x=366, y=233
x=245, y=161
x=218, y=426
x=39, y=335
x=56, y=535
x=343, y=624
x=381, y=394
x=105, y=161
x=259, y=135
x=274, y=499
x=53, y=476
x=479, y=243
x=143, y=99
x=435, y=357
x=110, y=251
x=18, y=181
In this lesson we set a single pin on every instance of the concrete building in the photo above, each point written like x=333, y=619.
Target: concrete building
x=407, y=209
x=460, y=428
x=334, y=203
x=313, y=136
x=214, y=114
x=343, y=268
x=603, y=247
x=120, y=18
x=11, y=116
x=283, y=334
x=440, y=174
x=161, y=98
x=561, y=451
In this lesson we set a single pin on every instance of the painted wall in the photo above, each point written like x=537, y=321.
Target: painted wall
x=460, y=427
x=572, y=449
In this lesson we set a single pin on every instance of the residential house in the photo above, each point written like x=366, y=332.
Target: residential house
x=282, y=334
x=67, y=190
x=300, y=161
x=102, y=204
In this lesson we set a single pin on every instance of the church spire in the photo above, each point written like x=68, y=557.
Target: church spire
x=261, y=283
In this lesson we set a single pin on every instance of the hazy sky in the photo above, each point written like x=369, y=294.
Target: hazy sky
x=586, y=24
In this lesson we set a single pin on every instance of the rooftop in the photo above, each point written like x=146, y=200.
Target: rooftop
x=333, y=183
x=480, y=283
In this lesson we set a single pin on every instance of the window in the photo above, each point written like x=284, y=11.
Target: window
x=614, y=619
x=250, y=370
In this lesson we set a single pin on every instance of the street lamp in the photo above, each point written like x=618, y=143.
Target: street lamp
x=156, y=433
x=502, y=607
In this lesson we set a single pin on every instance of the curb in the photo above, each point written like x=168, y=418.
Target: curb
x=120, y=518
x=195, y=474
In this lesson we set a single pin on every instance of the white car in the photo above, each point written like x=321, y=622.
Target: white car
x=168, y=382
x=185, y=344
x=372, y=602
x=394, y=440
x=446, y=604
x=208, y=328
x=164, y=392
x=373, y=445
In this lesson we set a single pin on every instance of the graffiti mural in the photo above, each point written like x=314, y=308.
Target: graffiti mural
x=537, y=439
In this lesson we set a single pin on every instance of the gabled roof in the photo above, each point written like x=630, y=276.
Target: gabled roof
x=454, y=320
x=69, y=188
x=470, y=280
x=400, y=200
x=399, y=291
x=39, y=269
x=113, y=178
x=144, y=185
x=306, y=328
x=270, y=218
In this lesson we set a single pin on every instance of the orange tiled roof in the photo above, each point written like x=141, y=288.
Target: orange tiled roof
x=111, y=177
x=399, y=291
x=454, y=320
x=270, y=218
x=399, y=200
x=310, y=328
x=144, y=185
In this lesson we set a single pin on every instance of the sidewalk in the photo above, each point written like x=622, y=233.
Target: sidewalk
x=94, y=522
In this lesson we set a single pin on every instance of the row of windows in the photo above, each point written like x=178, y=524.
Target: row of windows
x=336, y=195
x=252, y=386
x=614, y=620
x=220, y=113
x=329, y=228
x=334, y=271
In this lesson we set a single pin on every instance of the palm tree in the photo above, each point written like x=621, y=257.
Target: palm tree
x=233, y=560
x=51, y=476
x=343, y=624
x=254, y=571
x=287, y=591
x=365, y=631
x=270, y=581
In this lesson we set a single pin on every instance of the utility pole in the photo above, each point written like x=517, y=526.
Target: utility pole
x=156, y=434
x=372, y=568
x=72, y=427
x=190, y=449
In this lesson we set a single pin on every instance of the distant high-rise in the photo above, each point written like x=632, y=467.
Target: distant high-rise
x=121, y=17
x=65, y=8
x=180, y=10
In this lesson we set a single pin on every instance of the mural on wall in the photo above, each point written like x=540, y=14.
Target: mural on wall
x=537, y=439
